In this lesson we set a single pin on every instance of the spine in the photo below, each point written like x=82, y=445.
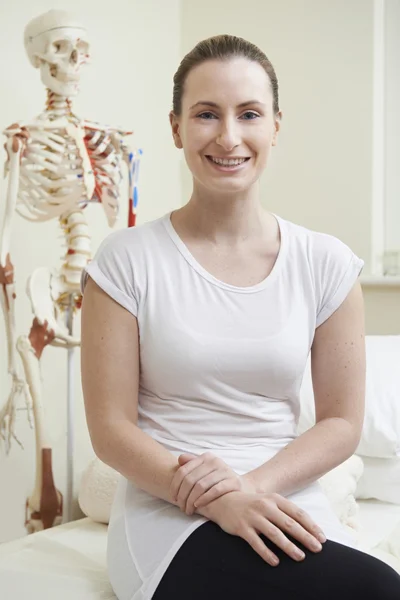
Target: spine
x=78, y=247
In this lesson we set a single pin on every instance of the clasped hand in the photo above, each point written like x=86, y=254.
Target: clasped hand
x=202, y=479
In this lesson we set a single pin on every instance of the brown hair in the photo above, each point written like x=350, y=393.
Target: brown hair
x=221, y=47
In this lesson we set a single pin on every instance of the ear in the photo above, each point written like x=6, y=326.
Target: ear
x=175, y=126
x=278, y=119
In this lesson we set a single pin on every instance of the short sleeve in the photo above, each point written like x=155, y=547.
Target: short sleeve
x=112, y=270
x=337, y=269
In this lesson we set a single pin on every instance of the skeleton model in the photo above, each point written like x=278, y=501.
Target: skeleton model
x=56, y=165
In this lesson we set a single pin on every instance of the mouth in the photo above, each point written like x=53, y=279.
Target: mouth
x=62, y=76
x=228, y=165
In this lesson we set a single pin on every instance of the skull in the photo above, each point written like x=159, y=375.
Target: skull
x=57, y=44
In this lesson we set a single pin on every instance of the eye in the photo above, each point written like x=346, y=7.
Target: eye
x=253, y=115
x=202, y=116
x=83, y=46
x=61, y=46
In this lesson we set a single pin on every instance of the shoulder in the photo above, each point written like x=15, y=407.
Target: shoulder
x=330, y=265
x=94, y=126
x=322, y=250
x=119, y=265
x=133, y=239
x=125, y=253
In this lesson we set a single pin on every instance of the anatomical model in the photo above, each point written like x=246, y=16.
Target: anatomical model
x=56, y=165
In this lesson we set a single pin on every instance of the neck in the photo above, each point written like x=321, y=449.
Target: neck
x=224, y=219
x=57, y=106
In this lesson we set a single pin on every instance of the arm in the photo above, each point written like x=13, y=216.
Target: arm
x=110, y=381
x=132, y=160
x=14, y=146
x=338, y=373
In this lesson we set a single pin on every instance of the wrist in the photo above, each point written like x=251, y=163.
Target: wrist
x=205, y=511
x=213, y=509
x=250, y=484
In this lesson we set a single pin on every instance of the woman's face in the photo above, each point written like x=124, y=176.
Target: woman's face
x=227, y=113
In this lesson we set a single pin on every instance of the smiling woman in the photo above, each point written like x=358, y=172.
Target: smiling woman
x=196, y=330
x=226, y=109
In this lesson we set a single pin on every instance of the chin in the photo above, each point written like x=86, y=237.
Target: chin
x=61, y=88
x=228, y=187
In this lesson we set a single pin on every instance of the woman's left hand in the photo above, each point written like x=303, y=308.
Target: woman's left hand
x=202, y=479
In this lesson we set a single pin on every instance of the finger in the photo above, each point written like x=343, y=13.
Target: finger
x=185, y=458
x=201, y=487
x=215, y=484
x=296, y=531
x=302, y=517
x=277, y=537
x=219, y=489
x=181, y=473
x=311, y=534
x=258, y=545
x=190, y=481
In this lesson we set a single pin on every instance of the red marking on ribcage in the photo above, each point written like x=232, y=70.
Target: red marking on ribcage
x=109, y=148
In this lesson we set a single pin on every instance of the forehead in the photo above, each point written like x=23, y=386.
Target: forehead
x=221, y=81
x=66, y=33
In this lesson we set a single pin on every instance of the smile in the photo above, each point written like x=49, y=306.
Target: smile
x=228, y=162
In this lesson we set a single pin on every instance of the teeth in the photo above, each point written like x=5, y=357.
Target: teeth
x=62, y=76
x=228, y=162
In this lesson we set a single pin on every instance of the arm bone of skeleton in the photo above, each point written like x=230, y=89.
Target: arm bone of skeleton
x=19, y=386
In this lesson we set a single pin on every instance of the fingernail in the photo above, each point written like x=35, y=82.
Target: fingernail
x=196, y=505
x=317, y=546
x=322, y=538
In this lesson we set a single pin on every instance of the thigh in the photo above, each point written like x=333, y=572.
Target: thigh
x=213, y=564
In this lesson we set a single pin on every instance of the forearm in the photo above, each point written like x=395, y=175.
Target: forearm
x=139, y=458
x=323, y=447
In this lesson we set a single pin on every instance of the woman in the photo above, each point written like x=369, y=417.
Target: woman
x=196, y=329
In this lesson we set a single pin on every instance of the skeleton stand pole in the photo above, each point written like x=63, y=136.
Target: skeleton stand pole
x=70, y=415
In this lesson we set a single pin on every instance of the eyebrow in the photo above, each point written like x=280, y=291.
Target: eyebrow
x=214, y=105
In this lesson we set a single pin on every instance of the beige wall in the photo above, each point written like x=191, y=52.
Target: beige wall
x=135, y=51
x=320, y=174
x=382, y=310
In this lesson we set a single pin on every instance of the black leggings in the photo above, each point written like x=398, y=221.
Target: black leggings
x=214, y=565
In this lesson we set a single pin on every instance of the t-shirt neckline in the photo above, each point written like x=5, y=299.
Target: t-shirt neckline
x=184, y=250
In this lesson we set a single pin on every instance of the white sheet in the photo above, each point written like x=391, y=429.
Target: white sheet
x=64, y=563
x=69, y=562
x=380, y=531
x=378, y=521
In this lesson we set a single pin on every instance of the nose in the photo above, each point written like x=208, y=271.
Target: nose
x=74, y=56
x=228, y=136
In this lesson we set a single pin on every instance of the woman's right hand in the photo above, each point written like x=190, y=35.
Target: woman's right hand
x=246, y=515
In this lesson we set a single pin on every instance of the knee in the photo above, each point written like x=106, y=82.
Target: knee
x=382, y=582
x=391, y=585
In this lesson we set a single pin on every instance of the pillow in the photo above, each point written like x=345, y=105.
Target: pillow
x=381, y=431
x=97, y=489
x=99, y=482
x=380, y=480
x=340, y=485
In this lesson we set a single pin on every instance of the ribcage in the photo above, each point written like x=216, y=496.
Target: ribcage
x=106, y=160
x=51, y=175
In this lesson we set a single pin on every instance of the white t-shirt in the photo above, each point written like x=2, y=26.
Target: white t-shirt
x=220, y=370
